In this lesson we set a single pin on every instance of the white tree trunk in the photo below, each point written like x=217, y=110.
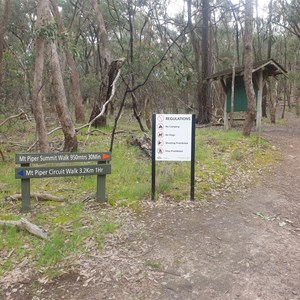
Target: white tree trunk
x=37, y=89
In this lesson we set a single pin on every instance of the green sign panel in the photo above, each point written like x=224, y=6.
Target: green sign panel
x=29, y=158
x=26, y=171
x=42, y=172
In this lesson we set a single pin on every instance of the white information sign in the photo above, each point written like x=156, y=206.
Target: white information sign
x=173, y=141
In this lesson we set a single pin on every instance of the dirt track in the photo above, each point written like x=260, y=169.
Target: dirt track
x=243, y=246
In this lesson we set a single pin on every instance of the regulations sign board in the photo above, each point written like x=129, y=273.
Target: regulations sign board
x=173, y=137
x=62, y=171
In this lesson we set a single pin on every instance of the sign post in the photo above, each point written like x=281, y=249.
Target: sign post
x=173, y=139
x=25, y=192
x=153, y=157
x=25, y=171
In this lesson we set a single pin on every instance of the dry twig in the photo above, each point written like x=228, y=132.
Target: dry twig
x=12, y=117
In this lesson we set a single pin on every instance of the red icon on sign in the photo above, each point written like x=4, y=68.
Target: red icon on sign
x=160, y=151
x=160, y=118
x=160, y=126
x=160, y=143
x=160, y=134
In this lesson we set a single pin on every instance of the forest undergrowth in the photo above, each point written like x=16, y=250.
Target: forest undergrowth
x=78, y=226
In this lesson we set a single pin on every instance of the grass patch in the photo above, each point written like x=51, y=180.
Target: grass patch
x=153, y=264
x=80, y=225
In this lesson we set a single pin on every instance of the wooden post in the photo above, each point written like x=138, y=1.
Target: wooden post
x=101, y=183
x=259, y=102
x=223, y=83
x=25, y=190
x=232, y=95
x=225, y=114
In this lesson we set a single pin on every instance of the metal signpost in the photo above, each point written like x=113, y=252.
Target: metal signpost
x=173, y=139
x=25, y=172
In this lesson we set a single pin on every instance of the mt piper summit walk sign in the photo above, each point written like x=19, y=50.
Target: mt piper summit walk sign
x=25, y=172
x=173, y=139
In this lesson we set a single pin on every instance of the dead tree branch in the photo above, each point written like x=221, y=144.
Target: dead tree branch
x=13, y=117
x=25, y=224
x=37, y=196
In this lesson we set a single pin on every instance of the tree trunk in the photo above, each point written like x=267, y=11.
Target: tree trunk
x=272, y=102
x=3, y=26
x=248, y=61
x=148, y=111
x=196, y=49
x=106, y=91
x=58, y=89
x=75, y=84
x=75, y=81
x=204, y=104
x=70, y=143
x=105, y=68
x=270, y=31
x=37, y=89
x=232, y=95
x=258, y=27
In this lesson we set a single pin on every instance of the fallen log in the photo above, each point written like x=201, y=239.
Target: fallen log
x=25, y=224
x=37, y=196
x=144, y=143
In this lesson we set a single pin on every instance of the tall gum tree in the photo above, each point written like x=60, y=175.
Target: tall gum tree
x=248, y=62
x=105, y=51
x=37, y=88
x=202, y=66
x=204, y=114
x=74, y=75
x=3, y=26
x=57, y=86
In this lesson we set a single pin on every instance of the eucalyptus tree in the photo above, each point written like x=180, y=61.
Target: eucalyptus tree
x=46, y=40
x=3, y=27
x=287, y=15
x=248, y=62
x=74, y=73
x=15, y=45
x=202, y=56
x=142, y=33
x=286, y=18
x=38, y=84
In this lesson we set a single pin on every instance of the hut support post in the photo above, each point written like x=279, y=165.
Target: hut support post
x=226, y=125
x=259, y=102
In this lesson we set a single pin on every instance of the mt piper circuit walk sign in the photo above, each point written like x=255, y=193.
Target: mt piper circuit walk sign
x=173, y=139
x=25, y=172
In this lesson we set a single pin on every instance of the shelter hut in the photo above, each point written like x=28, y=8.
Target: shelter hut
x=261, y=71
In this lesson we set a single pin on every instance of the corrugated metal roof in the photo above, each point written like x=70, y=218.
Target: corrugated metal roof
x=270, y=68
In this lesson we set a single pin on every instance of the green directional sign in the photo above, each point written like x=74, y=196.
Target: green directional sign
x=42, y=172
x=26, y=158
x=26, y=171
